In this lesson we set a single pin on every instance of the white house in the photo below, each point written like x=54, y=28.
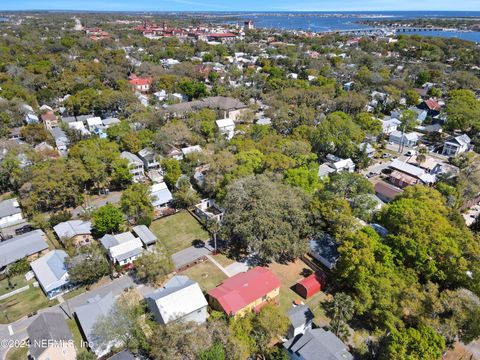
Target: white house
x=334, y=164
x=456, y=145
x=51, y=273
x=191, y=149
x=93, y=123
x=161, y=195
x=226, y=127
x=301, y=319
x=123, y=248
x=390, y=125
x=406, y=139
x=181, y=299
x=135, y=165
x=149, y=159
x=10, y=213
x=208, y=209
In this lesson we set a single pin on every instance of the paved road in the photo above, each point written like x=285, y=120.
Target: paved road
x=18, y=329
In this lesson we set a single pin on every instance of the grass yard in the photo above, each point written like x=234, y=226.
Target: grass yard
x=17, y=281
x=77, y=336
x=22, y=304
x=223, y=259
x=17, y=353
x=206, y=274
x=288, y=275
x=179, y=231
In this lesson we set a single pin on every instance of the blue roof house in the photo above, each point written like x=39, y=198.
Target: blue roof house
x=51, y=273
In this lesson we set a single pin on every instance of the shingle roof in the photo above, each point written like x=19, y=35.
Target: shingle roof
x=324, y=245
x=318, y=344
x=21, y=246
x=299, y=315
x=47, y=326
x=89, y=313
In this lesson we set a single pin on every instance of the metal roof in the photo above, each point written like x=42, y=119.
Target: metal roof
x=161, y=194
x=21, y=246
x=71, y=228
x=9, y=207
x=179, y=297
x=407, y=168
x=50, y=270
x=132, y=158
x=144, y=234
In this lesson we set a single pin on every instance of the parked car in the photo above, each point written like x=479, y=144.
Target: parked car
x=24, y=229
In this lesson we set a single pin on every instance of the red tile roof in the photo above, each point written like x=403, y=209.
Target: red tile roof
x=242, y=289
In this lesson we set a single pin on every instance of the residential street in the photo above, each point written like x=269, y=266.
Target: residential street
x=17, y=330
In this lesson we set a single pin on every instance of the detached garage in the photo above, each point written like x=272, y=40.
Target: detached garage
x=310, y=285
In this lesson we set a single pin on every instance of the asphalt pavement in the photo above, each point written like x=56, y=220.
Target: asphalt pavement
x=17, y=331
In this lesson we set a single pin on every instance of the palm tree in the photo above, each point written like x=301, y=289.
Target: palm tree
x=213, y=227
x=422, y=155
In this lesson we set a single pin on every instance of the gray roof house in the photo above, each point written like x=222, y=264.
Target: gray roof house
x=61, y=139
x=72, y=229
x=149, y=159
x=50, y=334
x=144, y=233
x=161, y=195
x=301, y=319
x=317, y=344
x=135, y=165
x=88, y=314
x=22, y=246
x=454, y=146
x=51, y=273
x=324, y=248
x=10, y=213
x=122, y=248
x=181, y=299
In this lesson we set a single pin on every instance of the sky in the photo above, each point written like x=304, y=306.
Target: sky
x=241, y=5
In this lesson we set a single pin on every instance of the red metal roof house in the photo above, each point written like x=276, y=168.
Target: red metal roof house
x=140, y=84
x=245, y=292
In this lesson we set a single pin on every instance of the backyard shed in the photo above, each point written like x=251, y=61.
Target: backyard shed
x=310, y=285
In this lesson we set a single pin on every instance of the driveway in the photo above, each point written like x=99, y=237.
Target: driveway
x=189, y=255
x=17, y=330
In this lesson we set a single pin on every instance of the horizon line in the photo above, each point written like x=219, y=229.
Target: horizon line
x=231, y=11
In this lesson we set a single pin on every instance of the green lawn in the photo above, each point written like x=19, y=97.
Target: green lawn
x=178, y=231
x=206, y=274
x=17, y=281
x=77, y=336
x=289, y=274
x=223, y=259
x=17, y=353
x=22, y=304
